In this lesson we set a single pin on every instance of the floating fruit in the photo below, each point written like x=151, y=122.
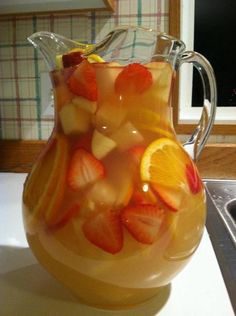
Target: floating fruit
x=109, y=116
x=101, y=145
x=127, y=136
x=84, y=169
x=45, y=187
x=143, y=222
x=72, y=58
x=102, y=193
x=124, y=191
x=82, y=82
x=62, y=95
x=134, y=78
x=170, y=197
x=104, y=230
x=74, y=120
x=106, y=75
x=165, y=165
x=85, y=104
x=162, y=74
x=149, y=120
x=94, y=58
x=194, y=181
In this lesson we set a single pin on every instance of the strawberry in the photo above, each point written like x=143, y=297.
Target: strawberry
x=134, y=78
x=194, y=181
x=72, y=59
x=104, y=230
x=143, y=222
x=84, y=169
x=171, y=198
x=83, y=81
x=67, y=214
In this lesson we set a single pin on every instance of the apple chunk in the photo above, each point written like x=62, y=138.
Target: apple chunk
x=74, y=120
x=127, y=136
x=101, y=145
x=85, y=104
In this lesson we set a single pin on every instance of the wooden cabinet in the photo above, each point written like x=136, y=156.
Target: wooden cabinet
x=56, y=6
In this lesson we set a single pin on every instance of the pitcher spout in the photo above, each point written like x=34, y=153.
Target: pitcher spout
x=52, y=45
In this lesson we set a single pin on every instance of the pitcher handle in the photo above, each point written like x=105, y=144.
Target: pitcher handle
x=198, y=139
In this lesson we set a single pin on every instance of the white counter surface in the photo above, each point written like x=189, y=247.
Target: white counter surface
x=26, y=289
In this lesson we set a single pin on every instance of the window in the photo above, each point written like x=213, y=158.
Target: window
x=206, y=20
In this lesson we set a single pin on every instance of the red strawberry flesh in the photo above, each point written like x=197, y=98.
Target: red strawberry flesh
x=143, y=222
x=194, y=181
x=84, y=169
x=104, y=230
x=134, y=78
x=82, y=82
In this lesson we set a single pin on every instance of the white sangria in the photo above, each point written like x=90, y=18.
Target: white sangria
x=114, y=207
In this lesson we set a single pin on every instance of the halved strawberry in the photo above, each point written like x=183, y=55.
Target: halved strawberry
x=104, y=230
x=84, y=169
x=193, y=178
x=171, y=198
x=134, y=78
x=143, y=222
x=72, y=59
x=83, y=81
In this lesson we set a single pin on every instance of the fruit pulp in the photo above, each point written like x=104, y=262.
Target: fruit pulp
x=114, y=207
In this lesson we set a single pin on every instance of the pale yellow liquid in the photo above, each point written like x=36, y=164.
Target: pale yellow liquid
x=138, y=271
x=124, y=279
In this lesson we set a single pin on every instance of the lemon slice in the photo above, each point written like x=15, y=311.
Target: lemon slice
x=93, y=58
x=59, y=64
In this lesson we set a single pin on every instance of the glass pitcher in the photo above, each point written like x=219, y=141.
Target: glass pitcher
x=114, y=206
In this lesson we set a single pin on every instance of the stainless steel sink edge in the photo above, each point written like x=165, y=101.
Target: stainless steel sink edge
x=222, y=193
x=223, y=246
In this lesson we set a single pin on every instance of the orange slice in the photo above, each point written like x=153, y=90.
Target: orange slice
x=44, y=189
x=163, y=165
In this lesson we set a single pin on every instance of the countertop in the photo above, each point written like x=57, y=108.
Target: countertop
x=26, y=289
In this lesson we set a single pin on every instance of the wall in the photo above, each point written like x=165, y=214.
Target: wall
x=20, y=64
